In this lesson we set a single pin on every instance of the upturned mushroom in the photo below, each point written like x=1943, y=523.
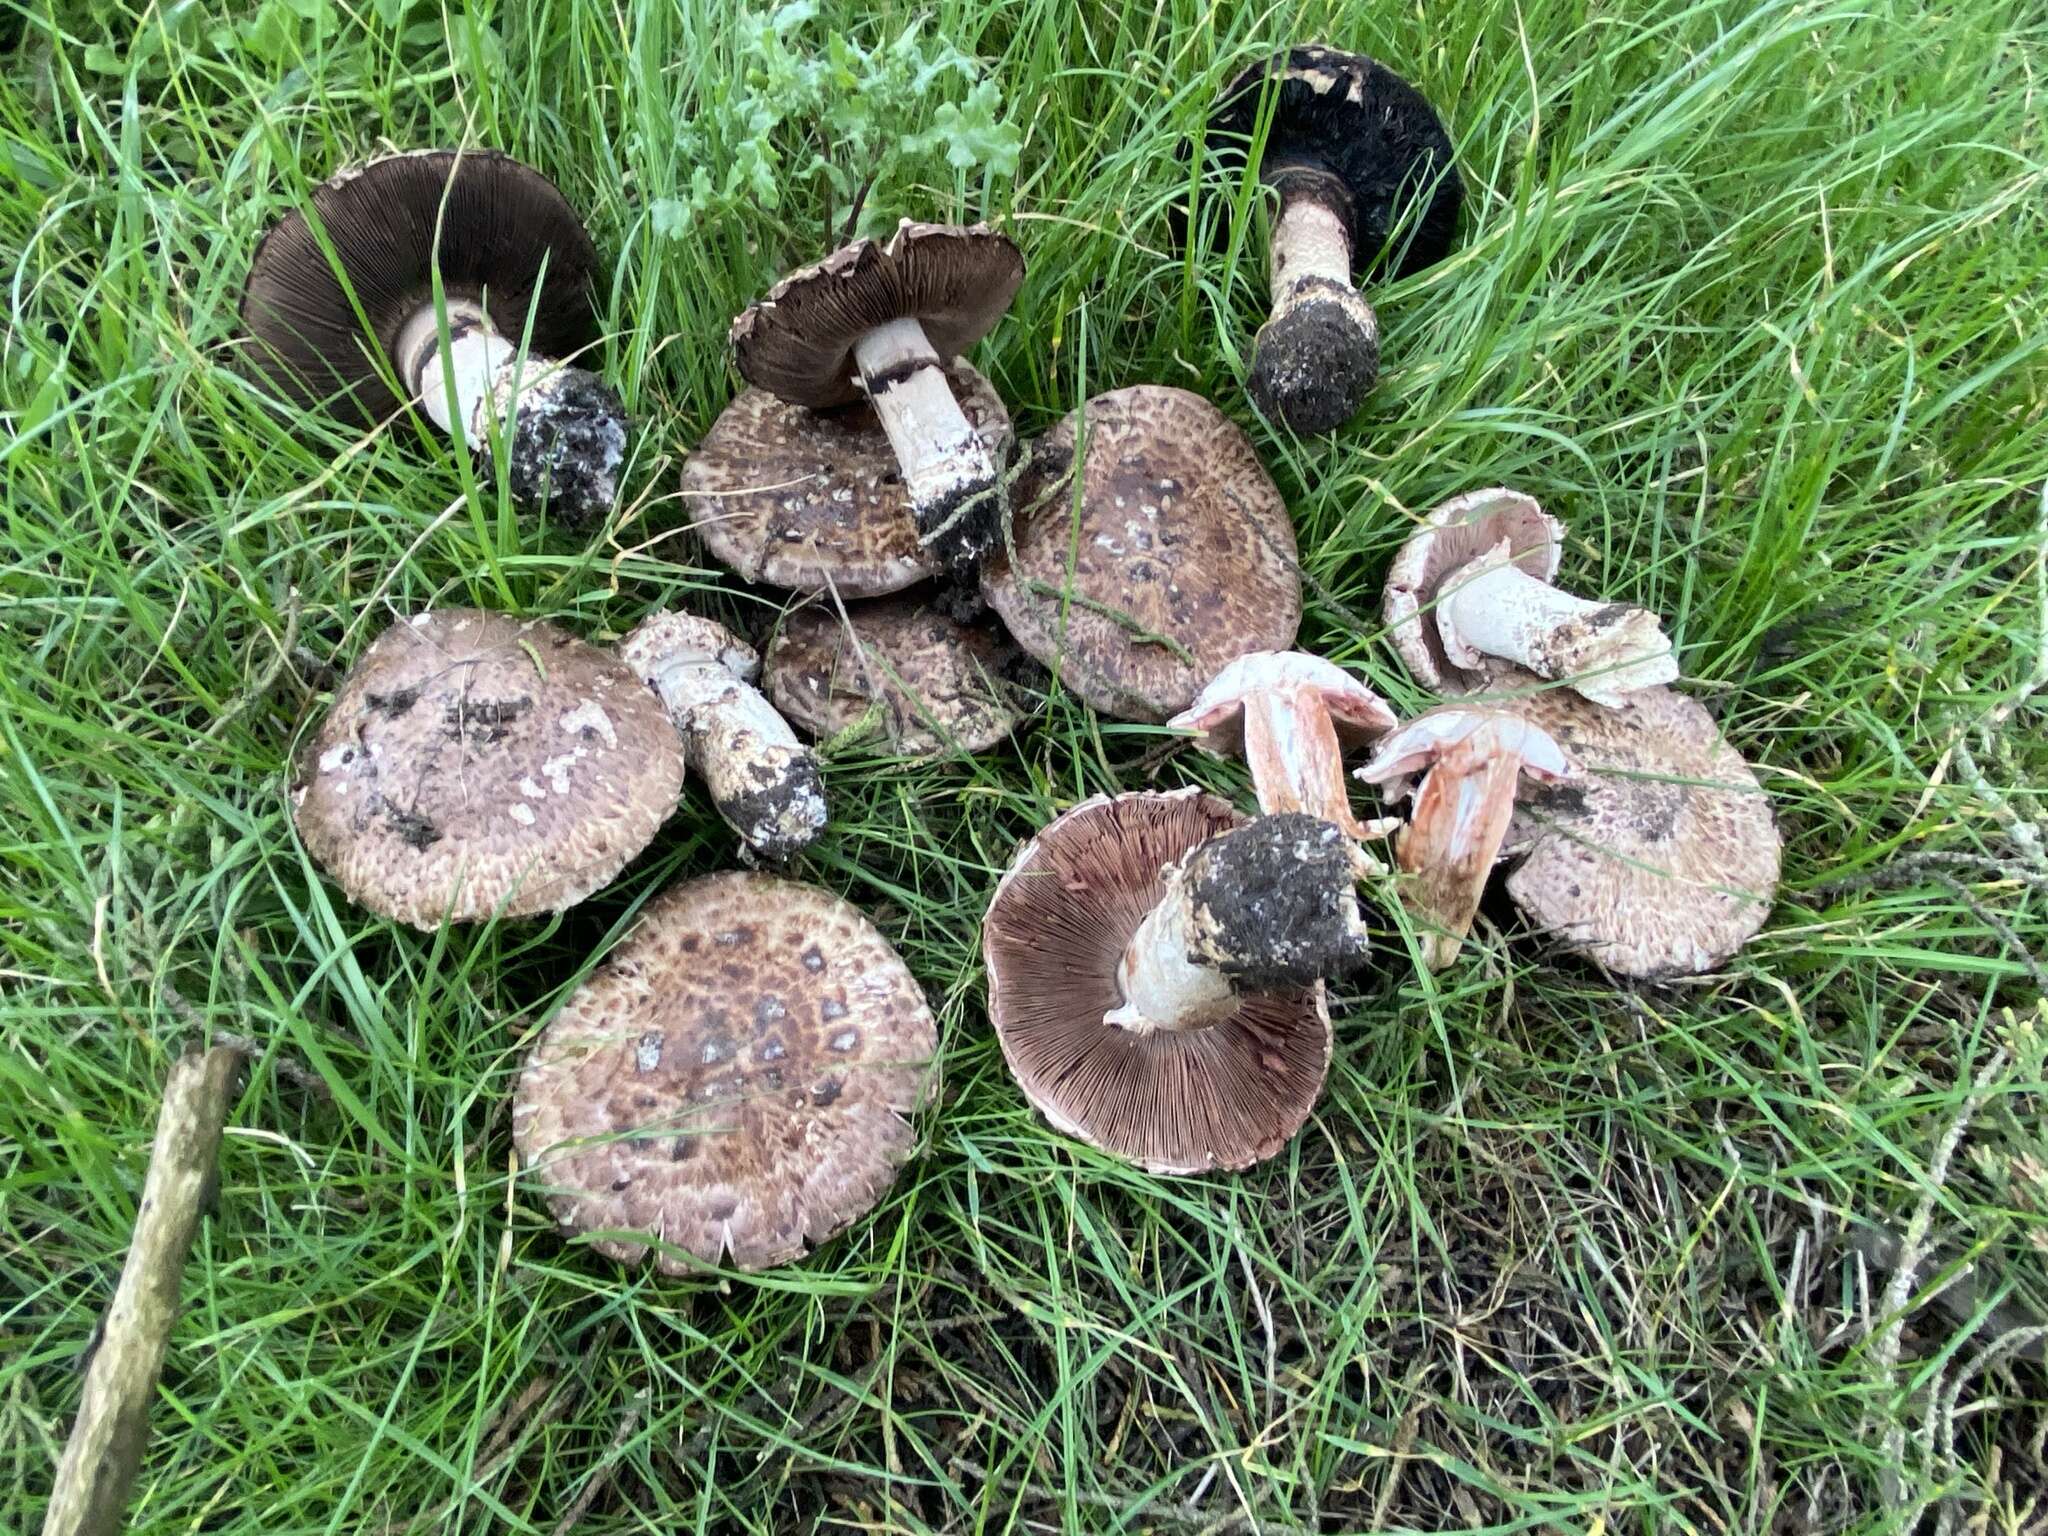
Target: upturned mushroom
x=1461, y=765
x=732, y=1083
x=1660, y=856
x=765, y=782
x=927, y=682
x=474, y=764
x=339, y=302
x=883, y=320
x=815, y=500
x=1173, y=555
x=1472, y=588
x=1155, y=966
x=1290, y=716
x=1358, y=159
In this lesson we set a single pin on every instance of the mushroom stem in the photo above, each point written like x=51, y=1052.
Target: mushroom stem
x=765, y=783
x=1316, y=359
x=953, y=487
x=1311, y=244
x=1604, y=651
x=1297, y=764
x=1268, y=905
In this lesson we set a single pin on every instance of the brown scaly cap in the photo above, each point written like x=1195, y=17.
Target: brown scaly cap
x=1661, y=858
x=929, y=683
x=734, y=1079
x=812, y=500
x=954, y=280
x=507, y=236
x=1220, y=1097
x=474, y=762
x=1184, y=557
x=1453, y=536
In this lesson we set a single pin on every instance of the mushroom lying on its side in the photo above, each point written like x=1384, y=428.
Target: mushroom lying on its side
x=1154, y=974
x=510, y=252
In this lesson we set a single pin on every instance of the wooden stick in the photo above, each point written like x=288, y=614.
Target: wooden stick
x=105, y=1449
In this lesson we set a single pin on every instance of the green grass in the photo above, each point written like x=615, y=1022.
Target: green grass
x=1754, y=295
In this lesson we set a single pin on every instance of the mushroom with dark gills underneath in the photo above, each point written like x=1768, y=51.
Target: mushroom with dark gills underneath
x=1358, y=159
x=733, y=1081
x=883, y=319
x=926, y=682
x=765, y=782
x=1155, y=966
x=510, y=252
x=1472, y=589
x=474, y=764
x=1173, y=556
x=1461, y=764
x=815, y=500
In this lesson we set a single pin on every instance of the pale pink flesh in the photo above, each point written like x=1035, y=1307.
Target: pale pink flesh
x=1453, y=836
x=1291, y=746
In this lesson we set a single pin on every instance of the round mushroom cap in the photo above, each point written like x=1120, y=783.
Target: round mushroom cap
x=812, y=500
x=1223, y=1096
x=1348, y=116
x=954, y=280
x=1183, y=555
x=930, y=683
x=733, y=1080
x=509, y=241
x=1660, y=856
x=1451, y=537
x=474, y=763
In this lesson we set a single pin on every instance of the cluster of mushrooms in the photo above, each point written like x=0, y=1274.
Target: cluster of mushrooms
x=733, y=1083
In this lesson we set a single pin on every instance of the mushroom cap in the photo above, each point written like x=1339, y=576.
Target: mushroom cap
x=1349, y=116
x=1172, y=1101
x=954, y=280
x=812, y=500
x=942, y=686
x=1451, y=537
x=1182, y=537
x=1359, y=715
x=475, y=763
x=732, y=1080
x=1660, y=857
x=509, y=241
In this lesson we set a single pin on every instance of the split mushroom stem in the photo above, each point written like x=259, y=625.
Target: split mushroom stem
x=1269, y=905
x=953, y=486
x=765, y=783
x=1318, y=356
x=1470, y=762
x=1607, y=651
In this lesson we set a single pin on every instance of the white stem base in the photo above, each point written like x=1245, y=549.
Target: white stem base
x=1605, y=651
x=938, y=449
x=484, y=364
x=1162, y=987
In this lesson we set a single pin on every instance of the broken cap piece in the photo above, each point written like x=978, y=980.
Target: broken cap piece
x=1661, y=856
x=929, y=683
x=1181, y=552
x=815, y=500
x=1461, y=765
x=765, y=783
x=1472, y=588
x=884, y=320
x=1152, y=963
x=1290, y=716
x=1359, y=159
x=510, y=250
x=475, y=764
x=732, y=1082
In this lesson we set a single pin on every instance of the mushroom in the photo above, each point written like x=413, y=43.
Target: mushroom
x=931, y=683
x=1661, y=856
x=1290, y=716
x=1461, y=764
x=731, y=1082
x=1176, y=557
x=510, y=252
x=1472, y=587
x=814, y=500
x=884, y=321
x=474, y=764
x=1154, y=965
x=765, y=783
x=1351, y=145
